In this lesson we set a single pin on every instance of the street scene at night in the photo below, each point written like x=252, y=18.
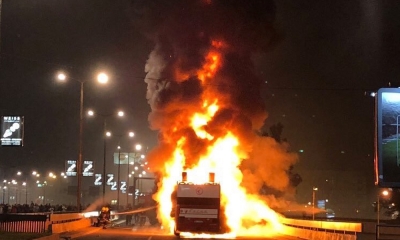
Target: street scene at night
x=229, y=119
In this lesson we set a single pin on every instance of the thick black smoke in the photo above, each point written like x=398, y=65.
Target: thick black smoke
x=183, y=32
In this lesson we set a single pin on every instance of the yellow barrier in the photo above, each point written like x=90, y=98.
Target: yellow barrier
x=333, y=226
x=70, y=226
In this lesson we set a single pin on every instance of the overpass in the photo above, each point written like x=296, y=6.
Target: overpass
x=58, y=223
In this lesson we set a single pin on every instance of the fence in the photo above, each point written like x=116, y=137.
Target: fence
x=28, y=223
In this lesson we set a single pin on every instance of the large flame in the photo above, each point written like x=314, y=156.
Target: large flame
x=246, y=214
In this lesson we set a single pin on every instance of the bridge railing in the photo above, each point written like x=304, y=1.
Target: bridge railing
x=308, y=229
x=28, y=222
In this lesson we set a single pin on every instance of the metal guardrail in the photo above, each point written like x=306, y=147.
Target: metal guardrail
x=324, y=225
x=32, y=223
x=380, y=231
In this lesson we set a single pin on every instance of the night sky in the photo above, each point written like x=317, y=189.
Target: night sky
x=328, y=54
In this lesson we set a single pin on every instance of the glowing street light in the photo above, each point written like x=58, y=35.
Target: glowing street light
x=383, y=193
x=106, y=134
x=131, y=135
x=138, y=147
x=313, y=201
x=101, y=78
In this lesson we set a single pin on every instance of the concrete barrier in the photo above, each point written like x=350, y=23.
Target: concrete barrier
x=320, y=230
x=70, y=226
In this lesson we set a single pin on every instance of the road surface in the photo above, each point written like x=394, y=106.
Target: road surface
x=149, y=233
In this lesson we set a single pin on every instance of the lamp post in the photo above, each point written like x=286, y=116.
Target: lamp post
x=4, y=189
x=138, y=147
x=384, y=193
x=25, y=184
x=105, y=135
x=102, y=78
x=26, y=192
x=313, y=201
x=131, y=135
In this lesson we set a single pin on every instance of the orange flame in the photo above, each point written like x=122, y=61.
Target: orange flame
x=246, y=214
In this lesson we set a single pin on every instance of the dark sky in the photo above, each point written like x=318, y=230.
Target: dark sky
x=329, y=54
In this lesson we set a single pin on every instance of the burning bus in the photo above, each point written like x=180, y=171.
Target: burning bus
x=197, y=207
x=206, y=105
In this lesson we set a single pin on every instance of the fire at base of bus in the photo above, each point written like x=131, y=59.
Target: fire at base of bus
x=197, y=207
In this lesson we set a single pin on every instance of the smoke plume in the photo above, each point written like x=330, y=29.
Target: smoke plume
x=185, y=32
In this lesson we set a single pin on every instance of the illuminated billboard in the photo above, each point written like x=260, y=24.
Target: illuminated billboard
x=125, y=157
x=88, y=169
x=71, y=168
x=12, y=131
x=387, y=140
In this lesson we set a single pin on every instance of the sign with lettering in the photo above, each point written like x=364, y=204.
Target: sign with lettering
x=98, y=180
x=110, y=179
x=70, y=168
x=88, y=169
x=12, y=131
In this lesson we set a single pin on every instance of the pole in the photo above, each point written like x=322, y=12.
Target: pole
x=119, y=170
x=377, y=218
x=104, y=159
x=313, y=204
x=44, y=193
x=79, y=163
x=134, y=192
x=127, y=183
x=26, y=193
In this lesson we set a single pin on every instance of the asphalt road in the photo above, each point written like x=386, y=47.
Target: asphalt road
x=148, y=233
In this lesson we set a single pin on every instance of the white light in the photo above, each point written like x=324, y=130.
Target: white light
x=61, y=77
x=19, y=173
x=131, y=134
x=144, y=172
x=136, y=168
x=90, y=113
x=108, y=134
x=391, y=97
x=120, y=113
x=142, y=156
x=102, y=78
x=138, y=147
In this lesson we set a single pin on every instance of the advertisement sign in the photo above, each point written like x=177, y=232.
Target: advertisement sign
x=110, y=179
x=98, y=180
x=387, y=140
x=70, y=168
x=12, y=131
x=125, y=157
x=88, y=169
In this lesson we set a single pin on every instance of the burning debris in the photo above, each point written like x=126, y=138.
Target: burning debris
x=206, y=105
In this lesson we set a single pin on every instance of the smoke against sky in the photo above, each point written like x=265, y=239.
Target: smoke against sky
x=184, y=34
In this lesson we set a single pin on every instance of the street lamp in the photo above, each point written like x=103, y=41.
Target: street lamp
x=131, y=135
x=138, y=147
x=25, y=184
x=384, y=193
x=105, y=135
x=4, y=190
x=313, y=201
x=103, y=79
